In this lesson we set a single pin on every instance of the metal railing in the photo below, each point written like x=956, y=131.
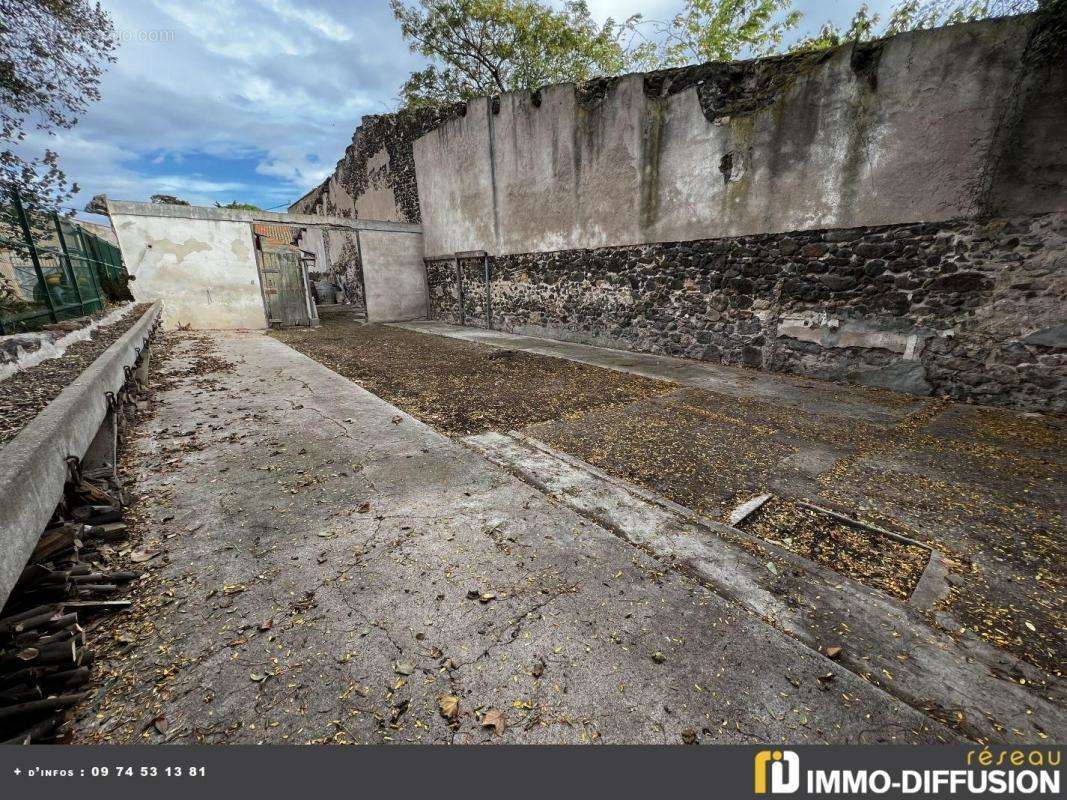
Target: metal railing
x=55, y=270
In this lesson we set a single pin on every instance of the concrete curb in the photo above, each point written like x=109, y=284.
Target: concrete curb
x=33, y=465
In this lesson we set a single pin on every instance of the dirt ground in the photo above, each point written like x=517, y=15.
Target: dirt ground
x=24, y=394
x=984, y=486
x=462, y=388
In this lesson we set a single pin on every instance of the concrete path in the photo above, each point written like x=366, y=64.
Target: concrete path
x=959, y=679
x=333, y=568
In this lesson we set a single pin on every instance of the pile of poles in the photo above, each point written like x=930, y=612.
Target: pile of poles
x=65, y=590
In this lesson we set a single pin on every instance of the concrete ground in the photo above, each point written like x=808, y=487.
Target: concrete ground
x=987, y=487
x=323, y=567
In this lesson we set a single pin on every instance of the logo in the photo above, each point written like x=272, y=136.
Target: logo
x=784, y=768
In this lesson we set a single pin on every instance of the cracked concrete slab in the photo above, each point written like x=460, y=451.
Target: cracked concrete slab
x=333, y=567
x=955, y=677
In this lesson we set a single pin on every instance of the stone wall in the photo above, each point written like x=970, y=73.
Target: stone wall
x=963, y=309
x=375, y=179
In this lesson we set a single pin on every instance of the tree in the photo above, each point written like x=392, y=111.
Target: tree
x=235, y=206
x=486, y=47
x=52, y=54
x=723, y=30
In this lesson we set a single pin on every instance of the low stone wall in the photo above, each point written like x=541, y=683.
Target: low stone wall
x=964, y=309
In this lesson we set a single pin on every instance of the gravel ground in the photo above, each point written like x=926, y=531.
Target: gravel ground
x=26, y=393
x=462, y=388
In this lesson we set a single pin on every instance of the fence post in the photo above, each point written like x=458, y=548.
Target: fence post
x=70, y=264
x=25, y=224
x=92, y=266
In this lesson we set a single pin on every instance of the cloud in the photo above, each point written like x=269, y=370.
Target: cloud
x=265, y=93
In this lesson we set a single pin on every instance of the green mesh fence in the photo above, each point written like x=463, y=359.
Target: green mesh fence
x=52, y=269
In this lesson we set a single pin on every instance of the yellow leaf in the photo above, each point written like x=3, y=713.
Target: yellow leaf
x=449, y=706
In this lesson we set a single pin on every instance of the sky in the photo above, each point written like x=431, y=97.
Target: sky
x=256, y=100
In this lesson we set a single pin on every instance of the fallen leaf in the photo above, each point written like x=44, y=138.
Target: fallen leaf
x=448, y=705
x=363, y=508
x=397, y=419
x=486, y=597
x=257, y=677
x=833, y=652
x=29, y=654
x=404, y=668
x=140, y=556
x=494, y=718
x=160, y=725
x=689, y=736
x=266, y=625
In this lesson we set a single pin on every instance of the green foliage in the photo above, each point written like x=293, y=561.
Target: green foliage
x=234, y=205
x=486, y=47
x=52, y=54
x=911, y=15
x=723, y=30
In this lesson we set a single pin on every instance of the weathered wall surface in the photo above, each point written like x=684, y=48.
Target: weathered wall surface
x=394, y=275
x=926, y=126
x=201, y=262
x=891, y=214
x=204, y=270
x=963, y=309
x=376, y=177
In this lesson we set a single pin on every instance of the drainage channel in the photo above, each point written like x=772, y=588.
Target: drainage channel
x=62, y=525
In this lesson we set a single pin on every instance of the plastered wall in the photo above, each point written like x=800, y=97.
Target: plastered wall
x=922, y=127
x=204, y=270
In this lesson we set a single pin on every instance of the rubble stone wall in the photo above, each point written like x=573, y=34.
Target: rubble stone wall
x=963, y=309
x=375, y=179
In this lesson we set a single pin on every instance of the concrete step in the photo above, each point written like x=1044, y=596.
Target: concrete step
x=981, y=692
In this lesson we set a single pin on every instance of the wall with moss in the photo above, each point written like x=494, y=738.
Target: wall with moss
x=958, y=122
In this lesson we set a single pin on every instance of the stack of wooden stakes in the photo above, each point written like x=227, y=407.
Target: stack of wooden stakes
x=65, y=589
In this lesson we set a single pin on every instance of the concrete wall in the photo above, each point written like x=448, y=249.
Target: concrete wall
x=925, y=126
x=394, y=275
x=204, y=270
x=200, y=261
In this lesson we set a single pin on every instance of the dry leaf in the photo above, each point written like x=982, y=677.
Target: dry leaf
x=833, y=652
x=267, y=625
x=494, y=718
x=140, y=556
x=449, y=706
x=29, y=654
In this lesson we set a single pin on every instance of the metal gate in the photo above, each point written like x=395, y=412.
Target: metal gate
x=474, y=280
x=284, y=288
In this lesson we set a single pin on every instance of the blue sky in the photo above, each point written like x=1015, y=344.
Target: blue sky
x=255, y=100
